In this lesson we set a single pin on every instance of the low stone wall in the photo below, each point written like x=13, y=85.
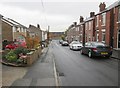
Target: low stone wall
x=31, y=58
x=116, y=53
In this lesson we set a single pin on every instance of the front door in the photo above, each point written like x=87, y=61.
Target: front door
x=119, y=39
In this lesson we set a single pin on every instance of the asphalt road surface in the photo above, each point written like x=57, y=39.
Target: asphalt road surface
x=79, y=70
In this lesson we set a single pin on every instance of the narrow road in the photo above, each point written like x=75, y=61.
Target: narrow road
x=78, y=70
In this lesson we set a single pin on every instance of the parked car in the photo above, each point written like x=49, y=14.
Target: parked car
x=15, y=45
x=75, y=45
x=60, y=41
x=96, y=49
x=65, y=43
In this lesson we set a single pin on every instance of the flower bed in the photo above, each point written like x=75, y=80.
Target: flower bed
x=20, y=56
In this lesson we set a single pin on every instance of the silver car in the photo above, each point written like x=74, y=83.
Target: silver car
x=75, y=45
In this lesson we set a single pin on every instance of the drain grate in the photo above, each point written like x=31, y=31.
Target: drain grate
x=61, y=74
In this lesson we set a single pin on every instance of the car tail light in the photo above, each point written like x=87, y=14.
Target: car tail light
x=94, y=49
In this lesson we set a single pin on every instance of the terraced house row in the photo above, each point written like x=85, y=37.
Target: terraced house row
x=102, y=27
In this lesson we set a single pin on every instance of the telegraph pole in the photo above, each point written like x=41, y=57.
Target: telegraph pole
x=48, y=34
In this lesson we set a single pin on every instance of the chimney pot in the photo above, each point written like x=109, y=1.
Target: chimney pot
x=102, y=6
x=30, y=25
x=81, y=19
x=38, y=26
x=75, y=23
x=92, y=14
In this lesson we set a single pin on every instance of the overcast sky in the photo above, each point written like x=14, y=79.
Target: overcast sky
x=58, y=14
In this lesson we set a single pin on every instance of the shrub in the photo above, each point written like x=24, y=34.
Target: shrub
x=11, y=56
x=20, y=50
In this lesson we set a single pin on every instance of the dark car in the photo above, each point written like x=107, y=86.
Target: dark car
x=65, y=43
x=96, y=49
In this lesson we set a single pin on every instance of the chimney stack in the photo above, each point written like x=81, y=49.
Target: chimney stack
x=81, y=19
x=75, y=23
x=30, y=25
x=102, y=6
x=38, y=26
x=92, y=14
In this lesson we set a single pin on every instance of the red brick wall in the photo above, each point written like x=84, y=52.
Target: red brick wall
x=89, y=31
x=115, y=26
x=107, y=39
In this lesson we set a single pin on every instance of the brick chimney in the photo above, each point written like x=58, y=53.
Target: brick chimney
x=81, y=19
x=74, y=23
x=38, y=26
x=102, y=6
x=30, y=25
x=92, y=14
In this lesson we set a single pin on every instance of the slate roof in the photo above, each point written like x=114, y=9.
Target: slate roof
x=88, y=19
x=12, y=22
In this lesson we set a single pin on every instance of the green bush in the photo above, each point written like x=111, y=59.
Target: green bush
x=11, y=56
x=21, y=50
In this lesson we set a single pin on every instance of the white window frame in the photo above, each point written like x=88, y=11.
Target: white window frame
x=97, y=37
x=119, y=14
x=103, y=19
x=89, y=25
x=103, y=32
x=86, y=26
x=97, y=20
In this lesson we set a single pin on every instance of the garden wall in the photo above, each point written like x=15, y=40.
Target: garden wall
x=31, y=58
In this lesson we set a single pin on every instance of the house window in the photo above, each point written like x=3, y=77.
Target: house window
x=97, y=20
x=89, y=37
x=97, y=37
x=20, y=30
x=103, y=19
x=86, y=26
x=103, y=36
x=119, y=14
x=89, y=25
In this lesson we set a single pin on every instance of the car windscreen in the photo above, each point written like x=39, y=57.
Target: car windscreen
x=75, y=42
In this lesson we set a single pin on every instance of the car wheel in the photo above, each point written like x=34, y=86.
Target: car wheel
x=90, y=54
x=81, y=51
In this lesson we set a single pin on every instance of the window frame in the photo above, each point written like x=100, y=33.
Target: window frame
x=103, y=19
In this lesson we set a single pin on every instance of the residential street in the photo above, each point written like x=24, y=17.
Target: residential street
x=73, y=69
x=79, y=70
x=60, y=43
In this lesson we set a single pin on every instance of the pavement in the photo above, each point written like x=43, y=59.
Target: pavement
x=41, y=73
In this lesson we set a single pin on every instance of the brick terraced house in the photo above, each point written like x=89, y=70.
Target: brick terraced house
x=73, y=32
x=107, y=24
x=102, y=27
x=89, y=28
